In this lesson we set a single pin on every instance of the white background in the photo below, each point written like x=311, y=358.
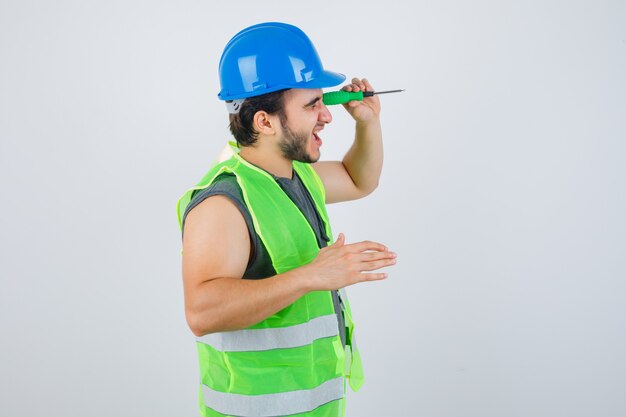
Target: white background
x=503, y=194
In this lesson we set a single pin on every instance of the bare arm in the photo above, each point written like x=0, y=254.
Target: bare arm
x=358, y=174
x=216, y=248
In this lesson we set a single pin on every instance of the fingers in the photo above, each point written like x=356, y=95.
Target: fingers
x=375, y=256
x=374, y=265
x=372, y=276
x=365, y=245
x=358, y=85
x=354, y=87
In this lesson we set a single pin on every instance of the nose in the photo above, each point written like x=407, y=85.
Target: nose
x=324, y=115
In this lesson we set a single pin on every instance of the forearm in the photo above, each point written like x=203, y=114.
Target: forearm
x=364, y=160
x=225, y=304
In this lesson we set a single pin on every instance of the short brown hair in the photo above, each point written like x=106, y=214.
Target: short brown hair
x=241, y=124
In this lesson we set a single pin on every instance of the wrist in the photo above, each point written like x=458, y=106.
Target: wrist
x=371, y=123
x=302, y=278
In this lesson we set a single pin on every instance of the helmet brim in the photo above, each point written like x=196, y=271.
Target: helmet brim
x=324, y=80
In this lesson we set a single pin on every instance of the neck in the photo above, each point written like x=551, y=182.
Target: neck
x=269, y=160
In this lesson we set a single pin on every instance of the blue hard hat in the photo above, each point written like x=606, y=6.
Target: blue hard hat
x=270, y=57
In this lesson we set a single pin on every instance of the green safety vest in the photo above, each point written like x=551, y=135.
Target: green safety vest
x=293, y=362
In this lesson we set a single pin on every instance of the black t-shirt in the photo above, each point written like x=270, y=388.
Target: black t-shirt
x=260, y=264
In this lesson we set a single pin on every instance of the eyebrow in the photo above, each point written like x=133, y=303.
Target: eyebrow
x=312, y=102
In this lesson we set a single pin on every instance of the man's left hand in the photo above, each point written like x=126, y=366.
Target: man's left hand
x=366, y=110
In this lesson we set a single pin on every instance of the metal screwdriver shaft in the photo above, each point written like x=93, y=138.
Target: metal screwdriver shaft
x=371, y=93
x=341, y=97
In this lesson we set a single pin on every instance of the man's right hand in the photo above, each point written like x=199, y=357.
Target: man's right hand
x=339, y=265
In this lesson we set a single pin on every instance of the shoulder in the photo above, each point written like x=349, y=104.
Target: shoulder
x=215, y=237
x=224, y=182
x=222, y=199
x=213, y=208
x=218, y=201
x=225, y=185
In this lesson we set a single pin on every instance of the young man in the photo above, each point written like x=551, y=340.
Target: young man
x=279, y=341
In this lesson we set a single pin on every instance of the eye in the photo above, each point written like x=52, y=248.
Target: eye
x=315, y=106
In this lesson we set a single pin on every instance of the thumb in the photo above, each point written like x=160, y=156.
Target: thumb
x=341, y=239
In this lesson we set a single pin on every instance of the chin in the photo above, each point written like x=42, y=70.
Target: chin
x=309, y=158
x=315, y=157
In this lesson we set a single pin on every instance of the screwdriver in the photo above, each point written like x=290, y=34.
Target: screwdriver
x=341, y=97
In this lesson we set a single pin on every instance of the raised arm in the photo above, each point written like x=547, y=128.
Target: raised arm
x=358, y=174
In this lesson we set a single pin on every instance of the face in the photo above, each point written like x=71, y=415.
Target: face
x=306, y=117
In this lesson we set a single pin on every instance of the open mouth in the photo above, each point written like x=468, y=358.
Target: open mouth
x=318, y=140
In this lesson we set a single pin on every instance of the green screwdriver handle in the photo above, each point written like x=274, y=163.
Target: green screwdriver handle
x=341, y=97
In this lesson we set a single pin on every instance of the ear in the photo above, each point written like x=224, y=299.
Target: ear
x=264, y=123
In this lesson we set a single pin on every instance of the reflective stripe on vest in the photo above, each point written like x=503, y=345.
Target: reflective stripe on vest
x=279, y=404
x=249, y=340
